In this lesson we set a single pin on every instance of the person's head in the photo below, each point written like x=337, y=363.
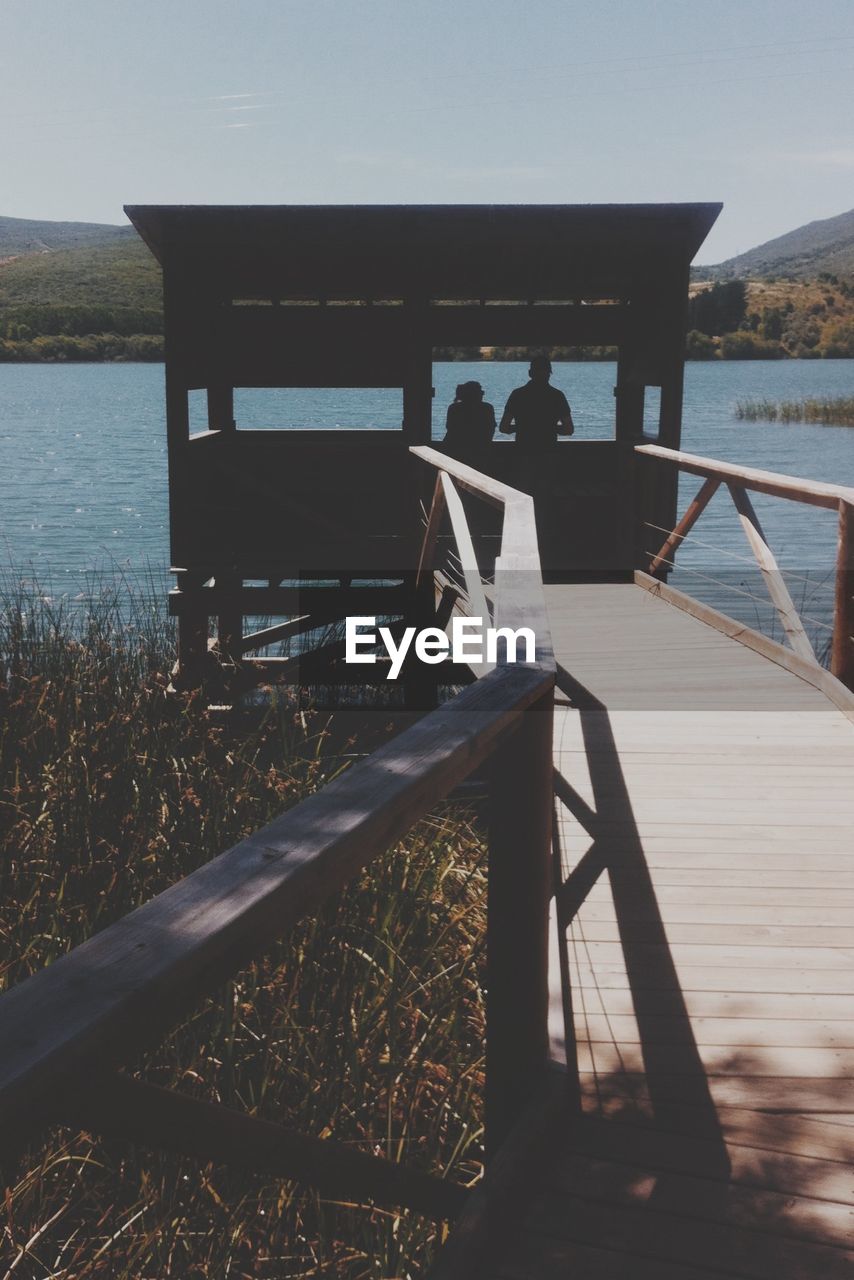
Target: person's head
x=540, y=369
x=470, y=392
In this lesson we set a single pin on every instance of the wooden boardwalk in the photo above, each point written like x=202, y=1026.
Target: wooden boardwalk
x=706, y=793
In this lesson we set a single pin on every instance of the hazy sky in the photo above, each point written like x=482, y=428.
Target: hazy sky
x=106, y=102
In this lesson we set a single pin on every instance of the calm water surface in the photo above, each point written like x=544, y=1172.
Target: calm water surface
x=83, y=456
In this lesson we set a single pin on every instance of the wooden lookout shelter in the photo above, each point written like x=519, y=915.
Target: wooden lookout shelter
x=336, y=296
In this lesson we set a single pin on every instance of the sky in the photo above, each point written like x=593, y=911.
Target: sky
x=107, y=102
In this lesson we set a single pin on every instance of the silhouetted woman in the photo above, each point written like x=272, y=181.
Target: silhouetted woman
x=471, y=420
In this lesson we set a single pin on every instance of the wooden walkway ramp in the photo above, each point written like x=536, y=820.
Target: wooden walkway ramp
x=705, y=795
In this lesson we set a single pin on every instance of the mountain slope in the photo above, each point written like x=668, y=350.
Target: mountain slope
x=19, y=236
x=121, y=273
x=826, y=245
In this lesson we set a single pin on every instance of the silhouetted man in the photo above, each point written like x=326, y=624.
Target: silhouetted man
x=538, y=413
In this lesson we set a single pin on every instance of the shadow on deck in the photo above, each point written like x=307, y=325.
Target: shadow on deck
x=700, y=993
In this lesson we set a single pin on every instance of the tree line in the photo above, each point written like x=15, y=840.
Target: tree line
x=23, y=322
x=802, y=326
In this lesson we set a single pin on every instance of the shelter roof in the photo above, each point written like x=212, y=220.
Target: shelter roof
x=436, y=251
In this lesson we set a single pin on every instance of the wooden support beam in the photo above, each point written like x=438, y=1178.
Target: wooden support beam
x=695, y=509
x=290, y=601
x=281, y=631
x=418, y=371
x=221, y=408
x=448, y=595
x=842, y=652
x=572, y=893
x=576, y=804
x=777, y=589
x=465, y=549
x=519, y=889
x=120, y=1107
x=192, y=642
x=494, y=1208
x=628, y=395
x=431, y=533
x=287, y=630
x=311, y=667
x=229, y=618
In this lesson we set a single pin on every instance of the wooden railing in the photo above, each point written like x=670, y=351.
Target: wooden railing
x=739, y=481
x=66, y=1032
x=515, y=593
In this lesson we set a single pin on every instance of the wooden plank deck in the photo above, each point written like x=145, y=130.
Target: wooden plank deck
x=711, y=966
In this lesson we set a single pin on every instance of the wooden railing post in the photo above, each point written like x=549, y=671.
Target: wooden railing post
x=192, y=629
x=646, y=474
x=842, y=652
x=230, y=619
x=517, y=994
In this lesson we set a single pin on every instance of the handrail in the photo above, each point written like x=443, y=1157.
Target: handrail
x=738, y=481
x=518, y=593
x=483, y=486
x=465, y=547
x=777, y=484
x=65, y=1031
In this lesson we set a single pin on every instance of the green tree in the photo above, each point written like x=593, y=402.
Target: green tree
x=747, y=346
x=699, y=346
x=720, y=309
x=839, y=342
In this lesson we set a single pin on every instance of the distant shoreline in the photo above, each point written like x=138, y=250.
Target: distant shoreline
x=443, y=358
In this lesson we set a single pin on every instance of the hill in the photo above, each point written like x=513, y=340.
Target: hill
x=77, y=291
x=121, y=273
x=89, y=291
x=20, y=236
x=771, y=319
x=823, y=247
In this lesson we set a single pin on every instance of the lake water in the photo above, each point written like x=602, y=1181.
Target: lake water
x=83, y=461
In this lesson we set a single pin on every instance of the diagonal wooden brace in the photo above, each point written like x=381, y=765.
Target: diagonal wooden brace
x=121, y=1107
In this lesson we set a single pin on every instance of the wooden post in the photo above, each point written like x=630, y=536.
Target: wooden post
x=842, y=652
x=629, y=394
x=192, y=646
x=418, y=377
x=192, y=622
x=517, y=996
x=671, y=321
x=421, y=682
x=644, y=508
x=192, y=629
x=177, y=437
x=431, y=533
x=230, y=620
x=629, y=397
x=221, y=408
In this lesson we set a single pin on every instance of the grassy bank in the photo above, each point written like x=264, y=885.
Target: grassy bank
x=366, y=1023
x=829, y=411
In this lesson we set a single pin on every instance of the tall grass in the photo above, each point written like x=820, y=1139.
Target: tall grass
x=366, y=1022
x=829, y=411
